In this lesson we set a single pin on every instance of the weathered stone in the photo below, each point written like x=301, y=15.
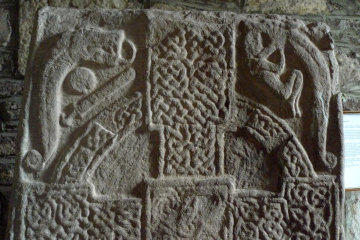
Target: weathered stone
x=350, y=81
x=344, y=7
x=5, y=27
x=179, y=125
x=10, y=113
x=210, y=5
x=6, y=63
x=7, y=144
x=346, y=32
x=6, y=170
x=352, y=215
x=287, y=6
x=10, y=87
x=4, y=207
x=28, y=9
x=10, y=108
x=168, y=7
x=9, y=126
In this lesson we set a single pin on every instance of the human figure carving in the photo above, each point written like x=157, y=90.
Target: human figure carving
x=282, y=65
x=269, y=73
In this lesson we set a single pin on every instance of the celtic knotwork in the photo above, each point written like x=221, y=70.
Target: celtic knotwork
x=129, y=114
x=259, y=218
x=189, y=77
x=190, y=150
x=180, y=211
x=188, y=96
x=69, y=213
x=294, y=160
x=84, y=155
x=311, y=208
x=265, y=130
x=273, y=135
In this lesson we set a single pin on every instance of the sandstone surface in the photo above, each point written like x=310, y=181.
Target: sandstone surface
x=179, y=125
x=28, y=11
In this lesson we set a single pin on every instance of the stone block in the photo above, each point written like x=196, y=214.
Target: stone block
x=4, y=209
x=209, y=5
x=6, y=170
x=7, y=65
x=8, y=144
x=344, y=7
x=303, y=7
x=5, y=27
x=10, y=108
x=148, y=124
x=28, y=10
x=10, y=87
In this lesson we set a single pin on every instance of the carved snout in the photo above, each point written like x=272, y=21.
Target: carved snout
x=107, y=48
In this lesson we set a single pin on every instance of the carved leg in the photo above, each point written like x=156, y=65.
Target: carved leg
x=296, y=83
x=289, y=91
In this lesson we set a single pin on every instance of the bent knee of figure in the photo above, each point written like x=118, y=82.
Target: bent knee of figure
x=296, y=79
x=273, y=82
x=297, y=84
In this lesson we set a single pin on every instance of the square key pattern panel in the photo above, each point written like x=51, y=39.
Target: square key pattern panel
x=155, y=125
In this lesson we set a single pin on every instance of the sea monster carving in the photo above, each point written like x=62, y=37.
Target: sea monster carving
x=81, y=47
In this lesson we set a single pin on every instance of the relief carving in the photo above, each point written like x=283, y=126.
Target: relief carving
x=259, y=218
x=293, y=66
x=312, y=207
x=146, y=124
x=84, y=46
x=71, y=214
x=190, y=72
x=178, y=211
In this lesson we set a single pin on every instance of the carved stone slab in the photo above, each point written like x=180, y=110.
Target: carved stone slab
x=179, y=125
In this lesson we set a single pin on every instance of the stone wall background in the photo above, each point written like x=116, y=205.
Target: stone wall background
x=16, y=21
